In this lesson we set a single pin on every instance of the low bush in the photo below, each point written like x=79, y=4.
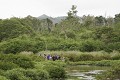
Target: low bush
x=3, y=78
x=112, y=46
x=35, y=74
x=20, y=60
x=85, y=57
x=19, y=44
x=56, y=73
x=7, y=65
x=24, y=62
x=90, y=45
x=15, y=75
x=72, y=57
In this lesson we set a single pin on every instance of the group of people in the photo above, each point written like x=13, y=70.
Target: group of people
x=52, y=57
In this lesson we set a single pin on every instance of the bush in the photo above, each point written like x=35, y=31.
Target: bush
x=3, y=78
x=85, y=57
x=24, y=62
x=37, y=74
x=90, y=45
x=112, y=46
x=15, y=75
x=7, y=65
x=36, y=58
x=19, y=44
x=20, y=60
x=68, y=45
x=56, y=73
x=72, y=57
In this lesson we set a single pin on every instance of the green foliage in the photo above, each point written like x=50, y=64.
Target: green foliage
x=37, y=74
x=12, y=28
x=3, y=78
x=107, y=34
x=72, y=57
x=68, y=45
x=112, y=46
x=91, y=45
x=24, y=62
x=72, y=13
x=20, y=44
x=7, y=65
x=86, y=34
x=19, y=60
x=15, y=75
x=100, y=20
x=88, y=21
x=117, y=18
x=103, y=31
x=56, y=73
x=84, y=57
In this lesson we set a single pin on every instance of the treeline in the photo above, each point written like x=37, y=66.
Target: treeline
x=85, y=34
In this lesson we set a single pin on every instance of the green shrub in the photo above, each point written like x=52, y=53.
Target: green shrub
x=116, y=57
x=24, y=62
x=20, y=60
x=3, y=78
x=85, y=57
x=36, y=58
x=7, y=65
x=112, y=46
x=68, y=45
x=102, y=57
x=90, y=45
x=72, y=57
x=15, y=75
x=1, y=72
x=35, y=74
x=19, y=44
x=56, y=73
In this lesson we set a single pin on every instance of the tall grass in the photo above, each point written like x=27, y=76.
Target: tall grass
x=85, y=56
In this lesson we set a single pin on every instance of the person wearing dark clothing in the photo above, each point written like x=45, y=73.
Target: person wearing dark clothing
x=53, y=58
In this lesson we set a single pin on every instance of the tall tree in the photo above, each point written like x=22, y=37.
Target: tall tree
x=73, y=12
x=117, y=18
x=100, y=21
x=11, y=28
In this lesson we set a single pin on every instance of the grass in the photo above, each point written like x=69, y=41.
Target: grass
x=85, y=56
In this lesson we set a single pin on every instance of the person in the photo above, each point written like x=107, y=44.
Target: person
x=53, y=58
x=49, y=57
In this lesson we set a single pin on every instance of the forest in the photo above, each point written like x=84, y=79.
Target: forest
x=89, y=40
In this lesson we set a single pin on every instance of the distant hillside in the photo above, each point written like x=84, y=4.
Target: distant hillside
x=55, y=20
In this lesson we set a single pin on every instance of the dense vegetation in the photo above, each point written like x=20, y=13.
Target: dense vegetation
x=27, y=67
x=85, y=34
x=81, y=34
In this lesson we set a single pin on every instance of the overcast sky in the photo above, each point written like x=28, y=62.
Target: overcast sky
x=54, y=8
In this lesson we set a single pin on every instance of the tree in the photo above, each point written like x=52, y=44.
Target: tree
x=117, y=18
x=11, y=28
x=100, y=21
x=70, y=24
x=88, y=20
x=110, y=21
x=49, y=24
x=73, y=12
x=32, y=22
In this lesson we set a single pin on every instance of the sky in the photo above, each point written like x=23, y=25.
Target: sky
x=55, y=8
